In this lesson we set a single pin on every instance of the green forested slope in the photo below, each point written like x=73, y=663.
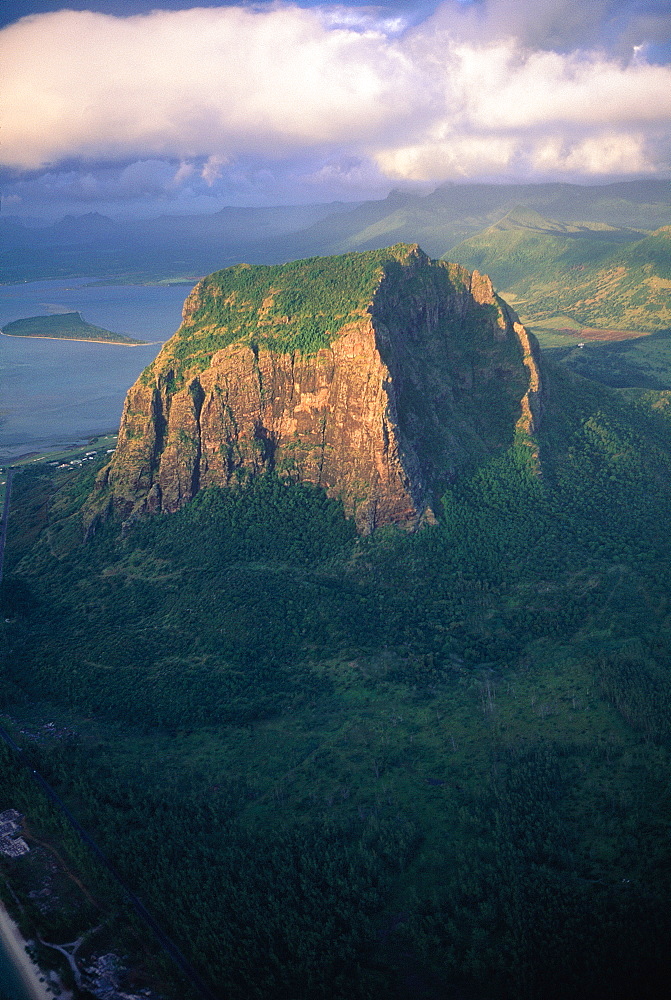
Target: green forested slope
x=402, y=765
x=595, y=276
x=453, y=212
x=524, y=242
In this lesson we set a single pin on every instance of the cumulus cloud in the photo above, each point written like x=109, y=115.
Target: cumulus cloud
x=212, y=169
x=193, y=82
x=506, y=87
x=391, y=22
x=183, y=173
x=448, y=157
x=478, y=89
x=608, y=153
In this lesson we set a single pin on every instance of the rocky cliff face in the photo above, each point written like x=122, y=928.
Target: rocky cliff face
x=377, y=376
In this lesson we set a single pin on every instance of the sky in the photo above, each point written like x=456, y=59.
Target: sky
x=136, y=108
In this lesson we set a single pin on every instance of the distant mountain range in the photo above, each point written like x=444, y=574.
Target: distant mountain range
x=149, y=249
x=191, y=246
x=454, y=212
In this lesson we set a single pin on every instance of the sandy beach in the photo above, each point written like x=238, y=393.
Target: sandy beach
x=16, y=948
x=80, y=340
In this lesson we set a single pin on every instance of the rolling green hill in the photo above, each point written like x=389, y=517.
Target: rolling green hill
x=64, y=326
x=445, y=217
x=595, y=277
x=524, y=244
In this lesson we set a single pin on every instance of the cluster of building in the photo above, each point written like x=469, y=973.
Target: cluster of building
x=11, y=845
x=88, y=457
x=103, y=978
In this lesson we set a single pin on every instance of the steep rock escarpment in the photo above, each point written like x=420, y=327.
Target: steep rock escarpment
x=377, y=376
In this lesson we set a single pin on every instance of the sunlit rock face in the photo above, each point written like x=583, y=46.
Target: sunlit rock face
x=378, y=376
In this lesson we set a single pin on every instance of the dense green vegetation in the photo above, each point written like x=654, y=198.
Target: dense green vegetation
x=594, y=275
x=523, y=242
x=63, y=326
x=295, y=306
x=298, y=306
x=391, y=766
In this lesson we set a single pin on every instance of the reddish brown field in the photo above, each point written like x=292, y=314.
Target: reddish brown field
x=591, y=333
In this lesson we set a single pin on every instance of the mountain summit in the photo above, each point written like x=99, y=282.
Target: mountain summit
x=377, y=376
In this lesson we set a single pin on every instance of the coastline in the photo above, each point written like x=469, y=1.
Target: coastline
x=80, y=340
x=15, y=946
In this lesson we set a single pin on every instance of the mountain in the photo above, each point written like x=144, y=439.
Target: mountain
x=348, y=763
x=149, y=249
x=377, y=376
x=409, y=765
x=178, y=246
x=596, y=276
x=453, y=212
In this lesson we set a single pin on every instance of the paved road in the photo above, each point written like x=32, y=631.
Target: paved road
x=5, y=519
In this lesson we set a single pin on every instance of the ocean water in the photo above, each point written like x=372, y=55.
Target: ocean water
x=12, y=985
x=54, y=393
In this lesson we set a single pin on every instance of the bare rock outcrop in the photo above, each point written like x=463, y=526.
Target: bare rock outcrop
x=417, y=371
